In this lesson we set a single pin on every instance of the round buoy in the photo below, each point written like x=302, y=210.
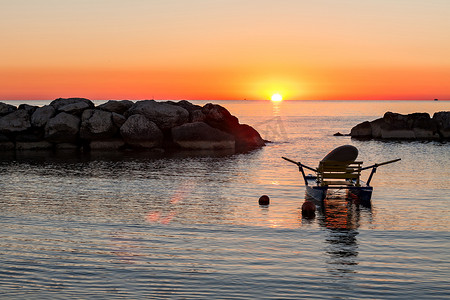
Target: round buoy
x=264, y=200
x=308, y=209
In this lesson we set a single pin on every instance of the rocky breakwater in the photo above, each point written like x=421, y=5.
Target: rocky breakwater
x=416, y=126
x=75, y=123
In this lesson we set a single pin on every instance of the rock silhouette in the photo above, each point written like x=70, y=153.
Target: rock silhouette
x=416, y=126
x=75, y=123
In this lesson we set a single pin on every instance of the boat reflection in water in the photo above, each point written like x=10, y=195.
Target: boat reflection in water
x=341, y=217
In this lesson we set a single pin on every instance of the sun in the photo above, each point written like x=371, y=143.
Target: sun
x=276, y=97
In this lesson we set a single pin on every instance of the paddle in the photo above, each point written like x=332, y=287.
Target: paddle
x=299, y=164
x=380, y=164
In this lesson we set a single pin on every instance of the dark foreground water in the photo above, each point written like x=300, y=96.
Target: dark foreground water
x=188, y=225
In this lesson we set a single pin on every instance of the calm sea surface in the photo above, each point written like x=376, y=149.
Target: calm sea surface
x=188, y=225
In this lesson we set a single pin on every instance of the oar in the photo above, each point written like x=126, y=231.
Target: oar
x=380, y=164
x=299, y=164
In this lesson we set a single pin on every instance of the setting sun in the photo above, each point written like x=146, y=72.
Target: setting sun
x=276, y=98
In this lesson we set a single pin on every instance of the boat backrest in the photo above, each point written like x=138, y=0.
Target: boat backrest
x=339, y=172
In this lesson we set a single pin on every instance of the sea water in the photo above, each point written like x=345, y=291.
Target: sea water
x=188, y=225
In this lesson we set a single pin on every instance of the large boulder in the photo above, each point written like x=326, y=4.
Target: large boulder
x=423, y=126
x=164, y=115
x=29, y=108
x=219, y=117
x=6, y=109
x=442, y=118
x=42, y=114
x=200, y=135
x=63, y=128
x=118, y=119
x=14, y=122
x=119, y=107
x=412, y=126
x=72, y=105
x=377, y=126
x=195, y=111
x=362, y=130
x=97, y=124
x=247, y=138
x=138, y=131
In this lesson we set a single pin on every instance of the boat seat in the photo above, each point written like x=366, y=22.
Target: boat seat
x=339, y=173
x=336, y=183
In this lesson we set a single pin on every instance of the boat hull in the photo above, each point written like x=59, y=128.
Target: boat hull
x=360, y=195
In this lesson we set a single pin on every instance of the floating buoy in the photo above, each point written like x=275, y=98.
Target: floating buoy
x=308, y=209
x=264, y=200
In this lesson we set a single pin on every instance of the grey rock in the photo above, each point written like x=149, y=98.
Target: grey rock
x=164, y=115
x=97, y=124
x=219, y=117
x=63, y=128
x=138, y=131
x=74, y=108
x=197, y=116
x=200, y=135
x=442, y=118
x=29, y=108
x=377, y=127
x=118, y=119
x=16, y=121
x=61, y=102
x=398, y=126
x=397, y=133
x=247, y=138
x=362, y=130
x=412, y=126
x=41, y=116
x=6, y=109
x=119, y=107
x=195, y=111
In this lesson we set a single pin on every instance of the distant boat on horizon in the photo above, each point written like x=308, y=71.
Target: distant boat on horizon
x=436, y=99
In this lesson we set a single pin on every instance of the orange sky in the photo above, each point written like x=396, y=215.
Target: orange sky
x=225, y=49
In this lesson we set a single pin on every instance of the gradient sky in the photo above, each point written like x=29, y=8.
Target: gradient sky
x=225, y=49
